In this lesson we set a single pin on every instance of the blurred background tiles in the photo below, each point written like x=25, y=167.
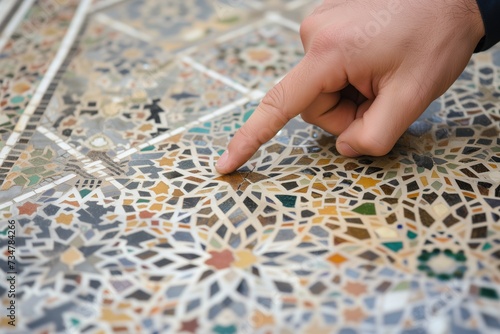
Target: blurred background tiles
x=124, y=226
x=26, y=55
x=120, y=91
x=174, y=25
x=257, y=58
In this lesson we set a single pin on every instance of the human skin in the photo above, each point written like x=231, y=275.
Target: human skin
x=370, y=69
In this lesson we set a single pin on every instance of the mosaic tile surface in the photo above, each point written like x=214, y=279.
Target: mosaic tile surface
x=123, y=225
x=26, y=57
x=257, y=58
x=174, y=25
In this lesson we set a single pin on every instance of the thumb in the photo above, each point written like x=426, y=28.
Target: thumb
x=379, y=127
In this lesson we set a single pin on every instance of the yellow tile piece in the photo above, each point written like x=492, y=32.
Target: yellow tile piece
x=367, y=182
x=244, y=258
x=64, y=219
x=72, y=256
x=328, y=210
x=423, y=179
x=161, y=188
x=156, y=207
x=109, y=315
x=337, y=259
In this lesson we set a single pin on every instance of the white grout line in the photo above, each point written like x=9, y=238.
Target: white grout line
x=65, y=179
x=222, y=110
x=46, y=187
x=14, y=22
x=181, y=129
x=126, y=153
x=296, y=4
x=92, y=167
x=256, y=95
x=60, y=142
x=238, y=32
x=166, y=135
x=5, y=8
x=279, y=79
x=24, y=196
x=103, y=4
x=117, y=184
x=257, y=5
x=122, y=27
x=95, y=170
x=190, y=61
x=277, y=18
x=62, y=52
x=93, y=163
x=6, y=204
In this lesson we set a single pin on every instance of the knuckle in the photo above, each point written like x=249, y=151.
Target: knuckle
x=250, y=140
x=307, y=28
x=308, y=117
x=274, y=105
x=373, y=144
x=330, y=38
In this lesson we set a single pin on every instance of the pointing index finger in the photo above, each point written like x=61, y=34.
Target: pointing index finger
x=283, y=102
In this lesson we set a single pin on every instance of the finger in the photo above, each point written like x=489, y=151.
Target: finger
x=379, y=125
x=335, y=120
x=284, y=101
x=322, y=103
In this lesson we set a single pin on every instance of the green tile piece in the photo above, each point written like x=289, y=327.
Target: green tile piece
x=390, y=175
x=34, y=179
x=231, y=329
x=199, y=130
x=486, y=246
x=20, y=180
x=402, y=286
x=17, y=99
x=442, y=170
x=247, y=115
x=411, y=235
x=84, y=192
x=148, y=148
x=39, y=161
x=288, y=201
x=436, y=185
x=75, y=322
x=34, y=170
x=394, y=246
x=366, y=209
x=488, y=293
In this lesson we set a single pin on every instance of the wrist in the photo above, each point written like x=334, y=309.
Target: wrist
x=473, y=19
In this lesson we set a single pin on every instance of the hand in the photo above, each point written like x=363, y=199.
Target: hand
x=370, y=69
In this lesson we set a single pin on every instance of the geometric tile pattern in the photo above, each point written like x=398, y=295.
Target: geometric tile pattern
x=255, y=59
x=123, y=224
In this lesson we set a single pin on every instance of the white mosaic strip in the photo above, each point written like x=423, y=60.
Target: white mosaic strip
x=215, y=75
x=103, y=4
x=122, y=27
x=181, y=129
x=5, y=8
x=14, y=22
x=65, y=46
x=278, y=18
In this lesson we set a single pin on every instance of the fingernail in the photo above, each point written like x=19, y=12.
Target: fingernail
x=346, y=150
x=222, y=160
